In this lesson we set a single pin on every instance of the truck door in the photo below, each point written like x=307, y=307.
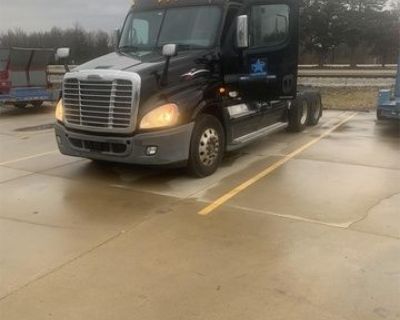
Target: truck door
x=248, y=120
x=269, y=62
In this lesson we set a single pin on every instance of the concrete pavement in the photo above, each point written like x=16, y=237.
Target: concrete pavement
x=318, y=238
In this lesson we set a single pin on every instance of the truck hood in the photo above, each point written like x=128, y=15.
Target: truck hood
x=114, y=60
x=138, y=61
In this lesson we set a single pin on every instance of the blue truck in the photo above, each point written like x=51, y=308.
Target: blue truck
x=389, y=101
x=24, y=77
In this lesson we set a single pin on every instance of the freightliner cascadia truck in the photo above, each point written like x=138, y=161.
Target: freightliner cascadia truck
x=188, y=81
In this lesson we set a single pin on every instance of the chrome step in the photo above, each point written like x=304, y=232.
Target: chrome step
x=239, y=142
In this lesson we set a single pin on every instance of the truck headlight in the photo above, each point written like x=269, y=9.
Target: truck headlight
x=165, y=116
x=60, y=111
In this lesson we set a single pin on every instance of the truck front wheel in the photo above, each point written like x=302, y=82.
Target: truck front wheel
x=207, y=146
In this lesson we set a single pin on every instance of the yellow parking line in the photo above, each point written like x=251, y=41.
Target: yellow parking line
x=220, y=201
x=27, y=158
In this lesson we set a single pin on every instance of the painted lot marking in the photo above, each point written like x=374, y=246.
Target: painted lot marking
x=226, y=197
x=28, y=157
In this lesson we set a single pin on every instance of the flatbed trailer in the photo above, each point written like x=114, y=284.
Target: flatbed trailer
x=24, y=76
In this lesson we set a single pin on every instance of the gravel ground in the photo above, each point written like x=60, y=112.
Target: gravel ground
x=354, y=98
x=321, y=82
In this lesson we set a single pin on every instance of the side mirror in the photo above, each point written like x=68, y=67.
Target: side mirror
x=116, y=36
x=169, y=50
x=63, y=53
x=242, y=32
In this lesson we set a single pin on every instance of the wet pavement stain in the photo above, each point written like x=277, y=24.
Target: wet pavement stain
x=41, y=127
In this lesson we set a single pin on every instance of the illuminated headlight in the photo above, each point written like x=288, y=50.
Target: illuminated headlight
x=165, y=116
x=60, y=111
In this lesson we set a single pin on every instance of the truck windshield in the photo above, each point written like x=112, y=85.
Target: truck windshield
x=193, y=27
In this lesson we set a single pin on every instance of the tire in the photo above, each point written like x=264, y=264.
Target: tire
x=379, y=115
x=316, y=110
x=207, y=146
x=20, y=105
x=299, y=114
x=37, y=104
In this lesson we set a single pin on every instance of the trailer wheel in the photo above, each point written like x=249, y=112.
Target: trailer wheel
x=37, y=104
x=379, y=115
x=316, y=110
x=299, y=114
x=20, y=105
x=207, y=146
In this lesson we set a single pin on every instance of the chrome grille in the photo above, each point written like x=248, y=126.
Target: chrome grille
x=98, y=104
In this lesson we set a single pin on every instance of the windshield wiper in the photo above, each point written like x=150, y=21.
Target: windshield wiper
x=185, y=46
x=129, y=48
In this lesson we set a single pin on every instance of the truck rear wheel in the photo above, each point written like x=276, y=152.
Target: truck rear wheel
x=20, y=105
x=315, y=114
x=299, y=114
x=37, y=104
x=207, y=146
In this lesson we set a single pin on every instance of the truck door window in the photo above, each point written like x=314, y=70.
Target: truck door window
x=269, y=25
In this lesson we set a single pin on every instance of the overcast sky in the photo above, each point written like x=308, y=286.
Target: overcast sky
x=37, y=15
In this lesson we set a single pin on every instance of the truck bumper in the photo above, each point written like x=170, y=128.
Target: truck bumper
x=172, y=146
x=389, y=112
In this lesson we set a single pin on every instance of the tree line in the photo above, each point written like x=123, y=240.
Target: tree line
x=85, y=45
x=352, y=31
x=331, y=31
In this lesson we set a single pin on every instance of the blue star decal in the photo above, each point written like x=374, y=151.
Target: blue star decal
x=258, y=67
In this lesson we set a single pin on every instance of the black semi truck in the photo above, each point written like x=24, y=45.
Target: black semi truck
x=189, y=80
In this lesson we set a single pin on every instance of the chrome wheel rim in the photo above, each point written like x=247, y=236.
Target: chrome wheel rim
x=209, y=147
x=304, y=114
